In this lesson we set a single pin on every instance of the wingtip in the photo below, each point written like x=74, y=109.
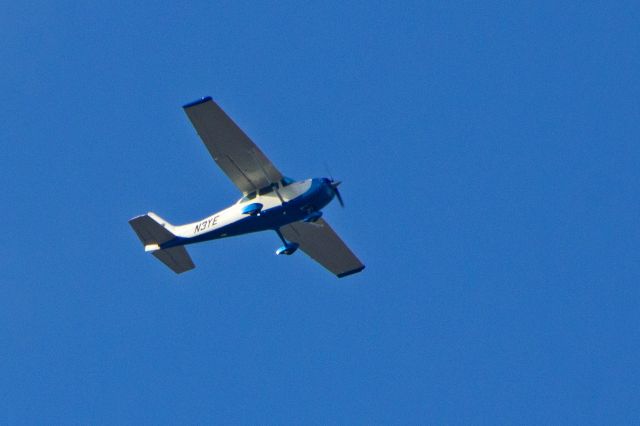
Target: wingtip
x=197, y=102
x=351, y=272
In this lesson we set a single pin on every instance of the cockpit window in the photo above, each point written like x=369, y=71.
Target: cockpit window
x=266, y=190
x=286, y=181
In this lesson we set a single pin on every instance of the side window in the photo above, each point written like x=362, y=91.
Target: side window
x=286, y=181
x=266, y=190
x=249, y=196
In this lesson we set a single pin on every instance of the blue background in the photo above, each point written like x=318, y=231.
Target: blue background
x=489, y=153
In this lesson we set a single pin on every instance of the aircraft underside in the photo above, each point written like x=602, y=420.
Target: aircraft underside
x=270, y=202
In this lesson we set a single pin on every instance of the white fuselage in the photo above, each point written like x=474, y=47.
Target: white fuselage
x=234, y=213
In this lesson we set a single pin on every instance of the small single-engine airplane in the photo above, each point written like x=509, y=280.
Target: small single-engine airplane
x=270, y=201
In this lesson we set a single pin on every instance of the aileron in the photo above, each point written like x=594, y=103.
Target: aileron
x=238, y=157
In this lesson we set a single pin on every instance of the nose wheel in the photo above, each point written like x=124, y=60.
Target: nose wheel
x=288, y=248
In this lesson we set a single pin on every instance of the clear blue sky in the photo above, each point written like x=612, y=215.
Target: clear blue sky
x=490, y=157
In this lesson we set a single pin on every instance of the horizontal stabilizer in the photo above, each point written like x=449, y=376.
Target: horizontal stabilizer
x=149, y=230
x=154, y=231
x=175, y=258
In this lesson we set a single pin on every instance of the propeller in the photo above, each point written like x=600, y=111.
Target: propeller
x=334, y=185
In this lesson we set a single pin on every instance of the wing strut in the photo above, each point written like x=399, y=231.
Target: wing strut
x=275, y=187
x=324, y=246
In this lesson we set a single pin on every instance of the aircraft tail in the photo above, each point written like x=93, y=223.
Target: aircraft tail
x=154, y=231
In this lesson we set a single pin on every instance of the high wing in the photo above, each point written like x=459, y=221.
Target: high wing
x=247, y=167
x=324, y=246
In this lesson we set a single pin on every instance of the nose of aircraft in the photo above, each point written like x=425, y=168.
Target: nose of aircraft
x=333, y=185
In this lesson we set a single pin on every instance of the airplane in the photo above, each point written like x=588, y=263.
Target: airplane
x=270, y=201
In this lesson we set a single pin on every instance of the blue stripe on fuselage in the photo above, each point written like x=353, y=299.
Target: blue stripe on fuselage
x=315, y=198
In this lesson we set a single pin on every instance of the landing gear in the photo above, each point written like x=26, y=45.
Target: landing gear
x=288, y=248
